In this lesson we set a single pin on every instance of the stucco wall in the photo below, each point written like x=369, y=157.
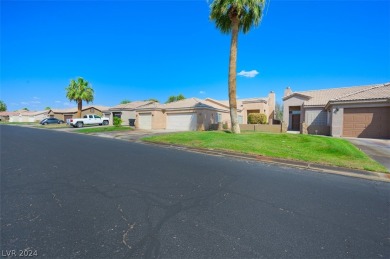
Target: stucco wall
x=159, y=120
x=262, y=127
x=260, y=107
x=293, y=101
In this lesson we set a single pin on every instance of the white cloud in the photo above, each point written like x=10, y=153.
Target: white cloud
x=249, y=74
x=35, y=102
x=35, y=98
x=57, y=101
x=67, y=104
x=202, y=92
x=24, y=103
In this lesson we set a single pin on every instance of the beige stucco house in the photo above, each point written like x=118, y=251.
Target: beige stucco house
x=27, y=116
x=264, y=105
x=185, y=115
x=197, y=114
x=360, y=111
x=125, y=112
x=64, y=114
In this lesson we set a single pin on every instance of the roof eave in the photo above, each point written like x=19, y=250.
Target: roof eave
x=381, y=100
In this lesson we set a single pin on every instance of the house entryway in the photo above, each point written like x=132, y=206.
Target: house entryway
x=294, y=123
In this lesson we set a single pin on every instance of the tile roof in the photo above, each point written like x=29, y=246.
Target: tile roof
x=34, y=113
x=188, y=103
x=6, y=113
x=240, y=102
x=130, y=106
x=322, y=97
x=74, y=109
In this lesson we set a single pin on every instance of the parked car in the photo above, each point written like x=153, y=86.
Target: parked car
x=51, y=121
x=88, y=119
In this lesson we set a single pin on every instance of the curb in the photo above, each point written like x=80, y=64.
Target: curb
x=368, y=175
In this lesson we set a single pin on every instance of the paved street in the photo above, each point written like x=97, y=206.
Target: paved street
x=74, y=196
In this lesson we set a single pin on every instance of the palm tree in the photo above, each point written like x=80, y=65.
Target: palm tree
x=234, y=16
x=79, y=91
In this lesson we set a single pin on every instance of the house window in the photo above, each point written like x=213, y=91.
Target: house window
x=117, y=114
x=219, y=117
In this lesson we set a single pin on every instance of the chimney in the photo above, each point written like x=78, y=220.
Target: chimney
x=287, y=91
x=271, y=106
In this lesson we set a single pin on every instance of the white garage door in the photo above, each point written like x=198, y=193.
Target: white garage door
x=145, y=121
x=181, y=121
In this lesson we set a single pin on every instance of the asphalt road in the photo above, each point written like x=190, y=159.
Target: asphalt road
x=67, y=195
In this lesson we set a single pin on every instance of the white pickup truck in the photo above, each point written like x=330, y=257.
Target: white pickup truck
x=88, y=119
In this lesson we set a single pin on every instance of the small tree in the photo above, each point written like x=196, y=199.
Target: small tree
x=47, y=108
x=173, y=98
x=257, y=118
x=279, y=111
x=3, y=106
x=26, y=109
x=125, y=101
x=117, y=122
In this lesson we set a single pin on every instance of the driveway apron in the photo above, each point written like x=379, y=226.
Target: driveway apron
x=377, y=149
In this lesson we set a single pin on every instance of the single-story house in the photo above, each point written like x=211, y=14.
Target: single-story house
x=264, y=105
x=188, y=114
x=5, y=116
x=360, y=111
x=27, y=116
x=64, y=114
x=125, y=112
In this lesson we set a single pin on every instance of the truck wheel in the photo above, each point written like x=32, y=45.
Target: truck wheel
x=105, y=122
x=79, y=124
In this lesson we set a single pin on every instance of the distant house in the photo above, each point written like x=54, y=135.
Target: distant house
x=125, y=112
x=64, y=114
x=360, y=111
x=25, y=116
x=264, y=105
x=197, y=114
x=6, y=116
x=184, y=115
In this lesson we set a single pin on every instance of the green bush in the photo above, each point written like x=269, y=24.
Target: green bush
x=225, y=126
x=257, y=118
x=117, y=121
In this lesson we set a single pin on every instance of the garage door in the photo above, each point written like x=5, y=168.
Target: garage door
x=67, y=117
x=181, y=121
x=367, y=122
x=145, y=121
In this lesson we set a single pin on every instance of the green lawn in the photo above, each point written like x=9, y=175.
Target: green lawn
x=104, y=129
x=309, y=148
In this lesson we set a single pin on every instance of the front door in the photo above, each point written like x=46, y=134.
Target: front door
x=295, y=122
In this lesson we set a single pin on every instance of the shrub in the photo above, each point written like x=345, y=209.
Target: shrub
x=225, y=126
x=117, y=121
x=257, y=118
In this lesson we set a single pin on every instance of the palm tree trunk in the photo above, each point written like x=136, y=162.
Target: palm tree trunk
x=79, y=108
x=232, y=77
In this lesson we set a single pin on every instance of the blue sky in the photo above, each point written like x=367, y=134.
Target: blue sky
x=138, y=50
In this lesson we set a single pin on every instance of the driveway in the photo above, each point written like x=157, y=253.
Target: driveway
x=377, y=149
